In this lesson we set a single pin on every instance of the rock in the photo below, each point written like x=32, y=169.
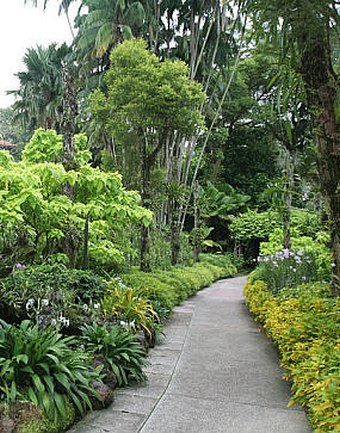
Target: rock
x=18, y=416
x=6, y=425
x=105, y=395
x=110, y=379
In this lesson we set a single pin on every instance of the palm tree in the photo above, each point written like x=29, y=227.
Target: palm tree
x=109, y=22
x=39, y=97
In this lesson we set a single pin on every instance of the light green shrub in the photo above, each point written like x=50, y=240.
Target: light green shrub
x=304, y=323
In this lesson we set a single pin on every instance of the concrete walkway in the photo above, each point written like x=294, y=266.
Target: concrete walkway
x=213, y=372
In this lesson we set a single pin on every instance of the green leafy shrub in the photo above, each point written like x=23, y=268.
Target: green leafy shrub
x=165, y=289
x=121, y=350
x=304, y=323
x=43, y=367
x=162, y=295
x=252, y=227
x=36, y=219
x=47, y=293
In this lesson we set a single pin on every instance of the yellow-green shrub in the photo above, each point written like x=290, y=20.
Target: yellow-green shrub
x=165, y=289
x=306, y=329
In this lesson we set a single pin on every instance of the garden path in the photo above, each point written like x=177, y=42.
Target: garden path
x=213, y=372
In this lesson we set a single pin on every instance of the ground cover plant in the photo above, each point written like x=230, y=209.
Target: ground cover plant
x=302, y=318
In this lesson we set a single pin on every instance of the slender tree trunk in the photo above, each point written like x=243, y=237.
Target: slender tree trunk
x=290, y=168
x=70, y=241
x=148, y=162
x=196, y=240
x=321, y=86
x=86, y=243
x=68, y=123
x=146, y=196
x=175, y=240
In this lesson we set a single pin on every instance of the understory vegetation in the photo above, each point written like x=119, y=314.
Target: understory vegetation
x=302, y=318
x=68, y=337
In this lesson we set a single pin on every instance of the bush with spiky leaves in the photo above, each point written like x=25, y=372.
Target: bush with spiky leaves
x=121, y=350
x=43, y=367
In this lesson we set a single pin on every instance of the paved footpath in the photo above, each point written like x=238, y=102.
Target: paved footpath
x=213, y=372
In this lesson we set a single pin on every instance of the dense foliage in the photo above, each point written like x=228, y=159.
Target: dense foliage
x=35, y=214
x=179, y=127
x=303, y=322
x=67, y=330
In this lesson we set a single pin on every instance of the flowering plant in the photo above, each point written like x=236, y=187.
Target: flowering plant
x=287, y=268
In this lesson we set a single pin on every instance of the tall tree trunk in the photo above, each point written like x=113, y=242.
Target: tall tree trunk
x=146, y=196
x=196, y=239
x=68, y=123
x=321, y=86
x=148, y=163
x=70, y=241
x=290, y=169
x=175, y=237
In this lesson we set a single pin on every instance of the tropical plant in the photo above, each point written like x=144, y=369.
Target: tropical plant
x=109, y=22
x=126, y=305
x=303, y=323
x=306, y=29
x=163, y=112
x=47, y=146
x=49, y=294
x=121, y=350
x=35, y=215
x=39, y=97
x=43, y=367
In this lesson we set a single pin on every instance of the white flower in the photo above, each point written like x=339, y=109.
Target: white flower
x=333, y=265
x=53, y=322
x=96, y=306
x=29, y=304
x=64, y=321
x=44, y=302
x=85, y=307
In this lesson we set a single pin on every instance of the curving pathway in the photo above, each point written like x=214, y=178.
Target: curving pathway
x=213, y=372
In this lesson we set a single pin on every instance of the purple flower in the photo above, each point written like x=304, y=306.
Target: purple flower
x=285, y=253
x=19, y=266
